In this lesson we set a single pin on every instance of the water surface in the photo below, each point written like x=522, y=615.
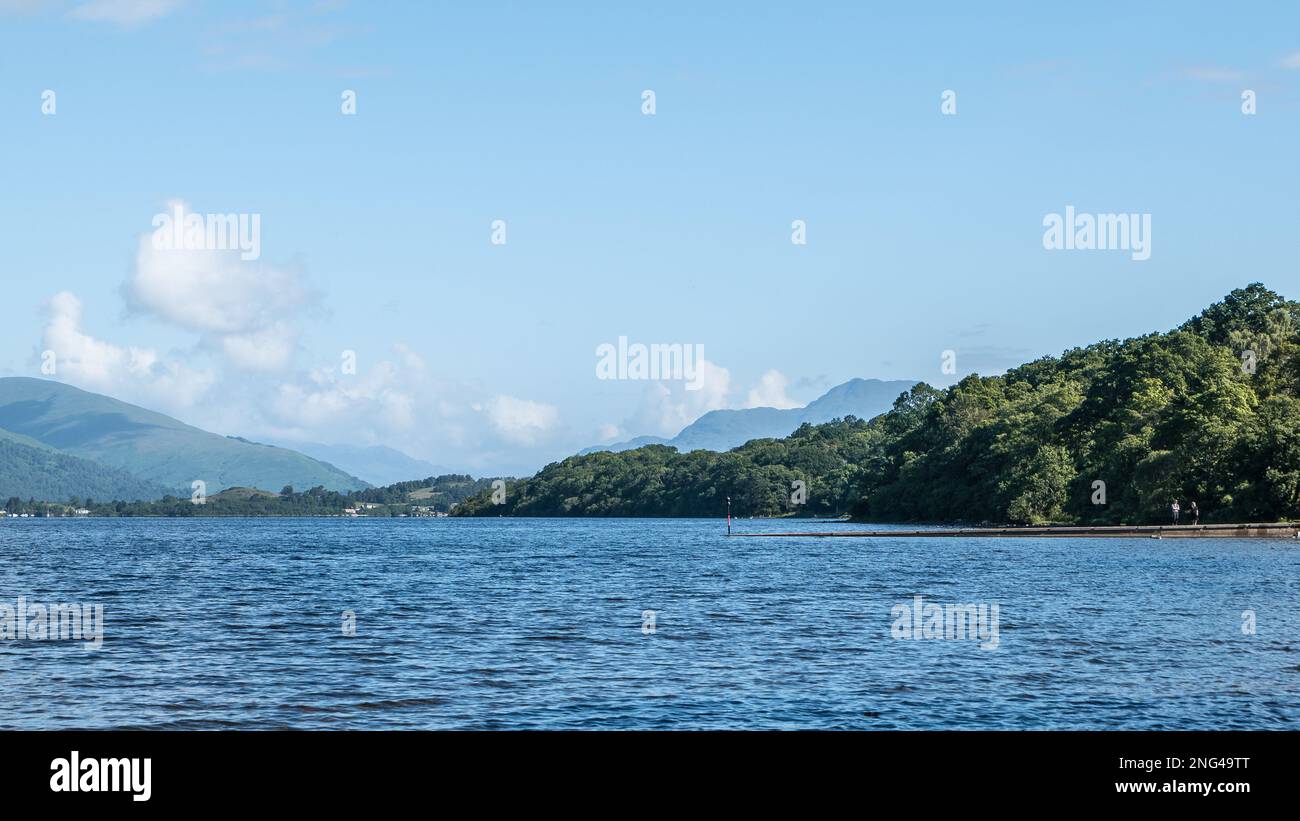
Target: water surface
x=527, y=623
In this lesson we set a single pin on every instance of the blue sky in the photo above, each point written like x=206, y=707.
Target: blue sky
x=924, y=231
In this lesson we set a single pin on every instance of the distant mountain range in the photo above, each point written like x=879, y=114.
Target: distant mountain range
x=57, y=441
x=726, y=429
x=379, y=465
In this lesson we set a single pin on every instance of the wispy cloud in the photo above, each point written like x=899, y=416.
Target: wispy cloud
x=27, y=6
x=291, y=37
x=522, y=421
x=1214, y=74
x=124, y=12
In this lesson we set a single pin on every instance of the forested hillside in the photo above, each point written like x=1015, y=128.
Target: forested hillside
x=31, y=470
x=1207, y=412
x=657, y=480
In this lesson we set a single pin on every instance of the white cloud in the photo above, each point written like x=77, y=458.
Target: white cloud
x=267, y=349
x=211, y=291
x=521, y=420
x=245, y=309
x=124, y=12
x=130, y=373
x=770, y=392
x=339, y=408
x=1291, y=60
x=400, y=404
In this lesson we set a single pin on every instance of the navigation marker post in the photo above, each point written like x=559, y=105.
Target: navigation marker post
x=728, y=515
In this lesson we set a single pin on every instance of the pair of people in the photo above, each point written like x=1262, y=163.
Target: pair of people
x=1193, y=512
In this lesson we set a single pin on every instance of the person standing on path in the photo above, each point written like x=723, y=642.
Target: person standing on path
x=1174, y=507
x=1195, y=513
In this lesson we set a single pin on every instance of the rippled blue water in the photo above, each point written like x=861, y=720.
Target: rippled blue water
x=538, y=624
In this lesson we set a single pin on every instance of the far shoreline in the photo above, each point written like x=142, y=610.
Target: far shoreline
x=1213, y=529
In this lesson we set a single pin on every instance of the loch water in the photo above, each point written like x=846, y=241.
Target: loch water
x=639, y=623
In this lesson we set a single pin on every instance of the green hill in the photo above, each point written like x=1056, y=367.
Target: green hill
x=657, y=480
x=1208, y=412
x=156, y=448
x=30, y=470
x=725, y=429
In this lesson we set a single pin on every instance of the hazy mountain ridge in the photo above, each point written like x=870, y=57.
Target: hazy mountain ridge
x=722, y=430
x=377, y=464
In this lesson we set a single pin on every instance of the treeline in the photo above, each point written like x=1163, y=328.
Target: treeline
x=759, y=476
x=435, y=494
x=1110, y=433
x=439, y=493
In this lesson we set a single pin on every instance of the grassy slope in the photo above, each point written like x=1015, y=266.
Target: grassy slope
x=151, y=445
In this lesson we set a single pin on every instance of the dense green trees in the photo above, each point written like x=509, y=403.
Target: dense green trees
x=439, y=494
x=656, y=480
x=1208, y=412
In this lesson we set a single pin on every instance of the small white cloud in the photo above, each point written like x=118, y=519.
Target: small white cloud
x=211, y=291
x=521, y=420
x=244, y=309
x=770, y=392
x=1291, y=60
x=124, y=12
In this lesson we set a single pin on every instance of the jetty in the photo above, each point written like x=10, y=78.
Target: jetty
x=1207, y=531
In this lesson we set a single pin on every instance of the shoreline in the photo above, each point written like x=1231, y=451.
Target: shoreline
x=1241, y=530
